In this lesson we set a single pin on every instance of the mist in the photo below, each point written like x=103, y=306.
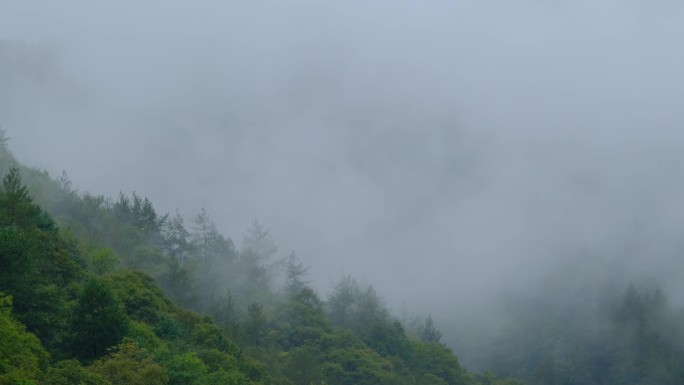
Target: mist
x=452, y=154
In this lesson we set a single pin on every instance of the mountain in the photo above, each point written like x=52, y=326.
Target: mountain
x=95, y=290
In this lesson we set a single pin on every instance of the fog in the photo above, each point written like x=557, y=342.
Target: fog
x=448, y=152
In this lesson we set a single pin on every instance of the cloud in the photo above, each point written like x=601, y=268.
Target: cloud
x=446, y=151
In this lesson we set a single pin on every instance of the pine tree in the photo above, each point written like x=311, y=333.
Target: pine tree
x=295, y=271
x=99, y=321
x=428, y=332
x=17, y=207
x=255, y=323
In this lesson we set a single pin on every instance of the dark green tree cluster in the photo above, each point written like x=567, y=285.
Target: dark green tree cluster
x=60, y=324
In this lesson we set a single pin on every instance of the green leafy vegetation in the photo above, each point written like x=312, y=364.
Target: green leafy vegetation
x=98, y=291
x=22, y=357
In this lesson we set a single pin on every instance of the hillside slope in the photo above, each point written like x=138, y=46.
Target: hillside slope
x=101, y=291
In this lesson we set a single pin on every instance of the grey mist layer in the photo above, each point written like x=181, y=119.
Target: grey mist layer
x=448, y=152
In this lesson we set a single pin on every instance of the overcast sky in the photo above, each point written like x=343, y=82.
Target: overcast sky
x=445, y=151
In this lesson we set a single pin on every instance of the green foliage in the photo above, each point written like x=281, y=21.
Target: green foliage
x=438, y=360
x=218, y=360
x=431, y=379
x=17, y=207
x=207, y=334
x=222, y=311
x=15, y=257
x=210, y=246
x=176, y=238
x=3, y=139
x=255, y=324
x=71, y=372
x=259, y=243
x=302, y=366
x=356, y=366
x=22, y=358
x=428, y=332
x=289, y=337
x=226, y=369
x=222, y=377
x=177, y=281
x=186, y=369
x=631, y=338
x=128, y=364
x=37, y=268
x=47, y=313
x=139, y=213
x=144, y=335
x=295, y=271
x=141, y=297
x=301, y=320
x=168, y=329
x=342, y=301
x=99, y=321
x=102, y=260
x=388, y=338
x=201, y=332
x=364, y=312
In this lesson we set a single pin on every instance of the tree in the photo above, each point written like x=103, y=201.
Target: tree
x=186, y=369
x=3, y=139
x=370, y=308
x=35, y=268
x=145, y=216
x=255, y=323
x=295, y=271
x=71, y=372
x=17, y=207
x=437, y=360
x=222, y=310
x=342, y=301
x=302, y=366
x=102, y=260
x=209, y=244
x=16, y=259
x=6, y=157
x=128, y=364
x=177, y=282
x=428, y=332
x=123, y=206
x=65, y=184
x=22, y=358
x=139, y=214
x=259, y=243
x=176, y=238
x=99, y=321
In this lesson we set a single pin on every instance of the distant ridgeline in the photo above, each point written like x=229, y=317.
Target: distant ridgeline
x=107, y=291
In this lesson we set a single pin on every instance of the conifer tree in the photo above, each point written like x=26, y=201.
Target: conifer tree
x=428, y=332
x=16, y=204
x=295, y=271
x=99, y=321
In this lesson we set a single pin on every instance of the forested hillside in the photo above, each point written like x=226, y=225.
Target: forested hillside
x=96, y=290
x=304, y=192
x=108, y=291
x=624, y=336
